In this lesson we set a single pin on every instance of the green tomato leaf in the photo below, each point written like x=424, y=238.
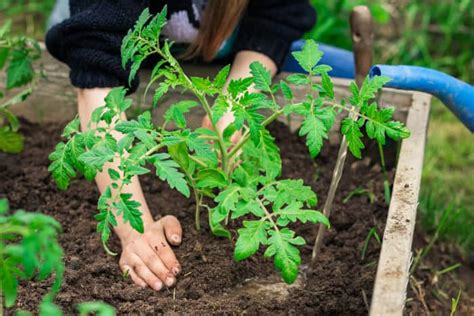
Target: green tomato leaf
x=211, y=178
x=3, y=206
x=228, y=198
x=261, y=76
x=286, y=90
x=251, y=236
x=159, y=92
x=97, y=157
x=351, y=129
x=327, y=86
x=200, y=146
x=116, y=101
x=11, y=142
x=298, y=79
x=167, y=170
x=315, y=131
x=20, y=70
x=295, y=212
x=8, y=281
x=176, y=112
x=219, y=108
x=289, y=191
x=61, y=167
x=221, y=77
x=309, y=56
x=96, y=308
x=237, y=86
x=128, y=209
x=286, y=255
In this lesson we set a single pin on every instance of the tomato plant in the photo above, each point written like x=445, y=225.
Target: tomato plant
x=17, y=54
x=29, y=249
x=229, y=181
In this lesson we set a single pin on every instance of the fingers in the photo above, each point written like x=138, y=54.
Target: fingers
x=206, y=122
x=172, y=229
x=166, y=254
x=155, y=265
x=236, y=136
x=149, y=277
x=127, y=270
x=226, y=119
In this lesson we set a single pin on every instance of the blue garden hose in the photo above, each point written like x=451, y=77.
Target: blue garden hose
x=457, y=95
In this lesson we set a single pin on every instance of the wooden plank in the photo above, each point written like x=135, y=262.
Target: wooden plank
x=388, y=298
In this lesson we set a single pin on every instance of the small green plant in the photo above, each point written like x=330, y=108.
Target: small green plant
x=29, y=16
x=202, y=162
x=360, y=191
x=455, y=303
x=372, y=234
x=29, y=249
x=17, y=54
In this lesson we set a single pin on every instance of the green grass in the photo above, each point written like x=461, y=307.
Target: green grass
x=432, y=34
x=448, y=177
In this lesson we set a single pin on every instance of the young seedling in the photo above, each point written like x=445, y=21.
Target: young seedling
x=29, y=249
x=17, y=54
x=372, y=234
x=202, y=162
x=455, y=303
x=359, y=191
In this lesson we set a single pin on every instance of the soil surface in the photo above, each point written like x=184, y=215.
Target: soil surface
x=211, y=282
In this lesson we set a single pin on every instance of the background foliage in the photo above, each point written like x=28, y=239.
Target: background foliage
x=405, y=34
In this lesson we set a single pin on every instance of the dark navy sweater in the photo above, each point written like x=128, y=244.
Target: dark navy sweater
x=89, y=41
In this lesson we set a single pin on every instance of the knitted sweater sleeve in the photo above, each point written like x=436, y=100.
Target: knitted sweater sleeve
x=89, y=41
x=270, y=26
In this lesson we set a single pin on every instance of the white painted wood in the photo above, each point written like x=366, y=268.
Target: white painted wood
x=388, y=298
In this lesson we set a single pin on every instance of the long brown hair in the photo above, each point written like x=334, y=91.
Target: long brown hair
x=219, y=21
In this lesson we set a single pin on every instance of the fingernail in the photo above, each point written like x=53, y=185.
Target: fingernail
x=176, y=238
x=169, y=281
x=158, y=285
x=176, y=270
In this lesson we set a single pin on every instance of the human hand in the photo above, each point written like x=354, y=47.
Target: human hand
x=148, y=258
x=221, y=125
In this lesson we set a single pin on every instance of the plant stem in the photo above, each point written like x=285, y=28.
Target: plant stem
x=246, y=135
x=199, y=162
x=269, y=216
x=352, y=111
x=204, y=103
x=220, y=139
x=197, y=214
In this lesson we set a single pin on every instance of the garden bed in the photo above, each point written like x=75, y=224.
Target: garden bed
x=211, y=281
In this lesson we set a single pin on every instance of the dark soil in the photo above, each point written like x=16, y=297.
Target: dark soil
x=211, y=282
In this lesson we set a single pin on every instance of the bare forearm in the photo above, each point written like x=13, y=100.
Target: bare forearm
x=240, y=66
x=88, y=101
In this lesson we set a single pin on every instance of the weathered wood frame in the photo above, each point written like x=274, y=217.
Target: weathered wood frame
x=388, y=297
x=54, y=100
